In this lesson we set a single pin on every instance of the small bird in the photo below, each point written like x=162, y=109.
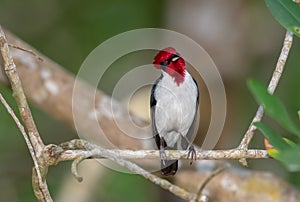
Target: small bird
x=174, y=103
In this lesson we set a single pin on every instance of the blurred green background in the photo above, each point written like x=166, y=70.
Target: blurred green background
x=66, y=31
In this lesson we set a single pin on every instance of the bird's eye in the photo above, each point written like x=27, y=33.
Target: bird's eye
x=165, y=63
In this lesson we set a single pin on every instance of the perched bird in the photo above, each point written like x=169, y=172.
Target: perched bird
x=174, y=103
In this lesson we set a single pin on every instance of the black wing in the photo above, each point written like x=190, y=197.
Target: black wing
x=197, y=103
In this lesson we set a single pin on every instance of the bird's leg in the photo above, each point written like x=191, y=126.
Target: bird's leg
x=162, y=152
x=192, y=152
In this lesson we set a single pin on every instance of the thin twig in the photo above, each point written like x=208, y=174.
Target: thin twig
x=109, y=154
x=208, y=179
x=271, y=88
x=74, y=168
x=25, y=136
x=22, y=130
x=28, y=51
x=176, y=190
x=36, y=144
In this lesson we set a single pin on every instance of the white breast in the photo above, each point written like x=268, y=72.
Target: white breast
x=175, y=108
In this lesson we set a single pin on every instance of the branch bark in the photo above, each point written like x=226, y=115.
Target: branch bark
x=245, y=186
x=82, y=149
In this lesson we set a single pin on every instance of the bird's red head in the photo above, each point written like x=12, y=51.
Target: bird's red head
x=169, y=61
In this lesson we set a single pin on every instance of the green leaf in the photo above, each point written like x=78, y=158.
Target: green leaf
x=274, y=138
x=272, y=106
x=287, y=13
x=290, y=142
x=290, y=158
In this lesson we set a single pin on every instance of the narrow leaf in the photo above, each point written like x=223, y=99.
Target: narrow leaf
x=287, y=13
x=290, y=158
x=272, y=106
x=274, y=138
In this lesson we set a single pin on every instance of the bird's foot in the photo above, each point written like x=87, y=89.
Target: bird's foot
x=192, y=154
x=163, y=156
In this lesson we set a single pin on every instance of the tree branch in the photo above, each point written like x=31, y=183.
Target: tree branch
x=79, y=148
x=18, y=93
x=35, y=145
x=75, y=150
x=287, y=44
x=234, y=154
x=200, y=195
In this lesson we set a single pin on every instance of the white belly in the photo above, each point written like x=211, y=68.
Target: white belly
x=175, y=108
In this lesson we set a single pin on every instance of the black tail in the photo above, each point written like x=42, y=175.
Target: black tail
x=169, y=167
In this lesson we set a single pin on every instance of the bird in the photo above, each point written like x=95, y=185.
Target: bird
x=174, y=103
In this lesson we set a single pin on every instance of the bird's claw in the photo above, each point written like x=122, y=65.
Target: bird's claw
x=163, y=156
x=192, y=154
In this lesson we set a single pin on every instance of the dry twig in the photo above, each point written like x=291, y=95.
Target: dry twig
x=27, y=50
x=271, y=88
x=109, y=154
x=18, y=93
x=25, y=136
x=36, y=143
x=73, y=152
x=200, y=195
